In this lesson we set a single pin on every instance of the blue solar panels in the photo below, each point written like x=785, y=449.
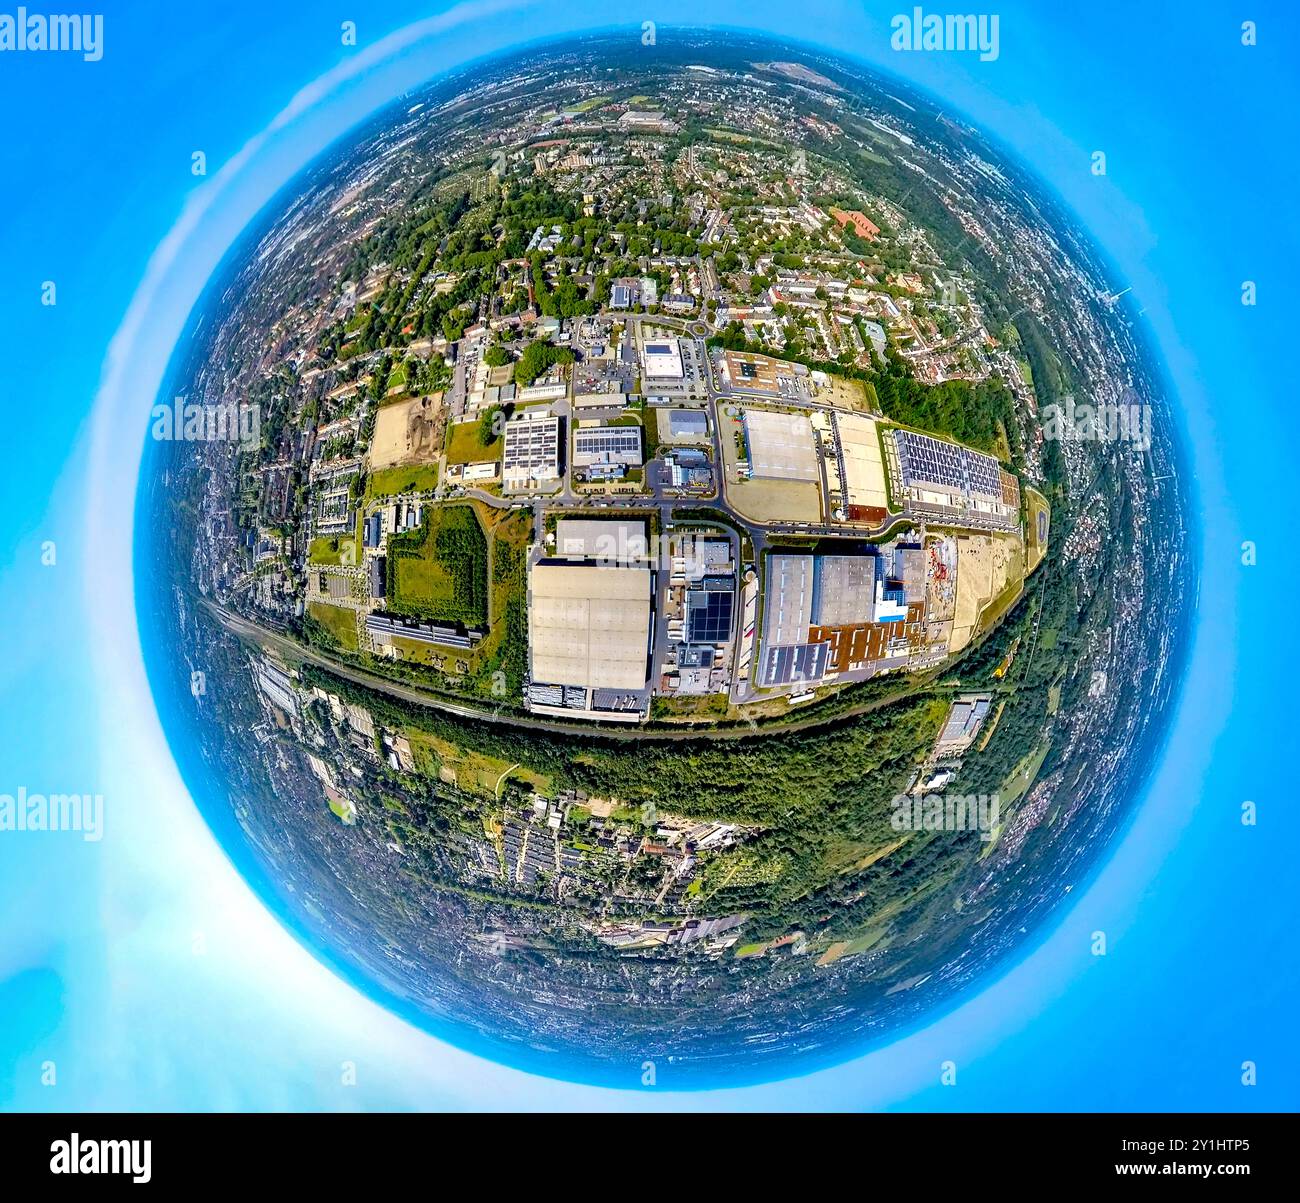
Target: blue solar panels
x=984, y=478
x=708, y=615
x=929, y=461
x=805, y=662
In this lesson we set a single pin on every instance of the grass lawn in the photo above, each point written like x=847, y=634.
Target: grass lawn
x=425, y=582
x=416, y=651
x=465, y=446
x=339, y=621
x=332, y=550
x=413, y=478
x=346, y=811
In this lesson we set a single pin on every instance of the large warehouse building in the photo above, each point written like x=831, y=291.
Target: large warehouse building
x=946, y=479
x=862, y=470
x=601, y=539
x=589, y=622
x=825, y=614
x=607, y=446
x=531, y=455
x=663, y=360
x=788, y=600
x=780, y=446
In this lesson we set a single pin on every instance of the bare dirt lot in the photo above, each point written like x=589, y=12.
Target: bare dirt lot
x=409, y=432
x=990, y=569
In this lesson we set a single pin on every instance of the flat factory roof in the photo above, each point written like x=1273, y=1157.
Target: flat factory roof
x=864, y=471
x=663, y=360
x=788, y=600
x=601, y=539
x=844, y=590
x=589, y=625
x=780, y=446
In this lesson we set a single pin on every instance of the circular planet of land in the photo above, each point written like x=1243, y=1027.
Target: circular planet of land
x=665, y=561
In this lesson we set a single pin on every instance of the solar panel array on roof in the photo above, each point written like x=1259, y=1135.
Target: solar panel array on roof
x=983, y=474
x=694, y=657
x=708, y=615
x=930, y=461
x=925, y=460
x=785, y=665
x=607, y=444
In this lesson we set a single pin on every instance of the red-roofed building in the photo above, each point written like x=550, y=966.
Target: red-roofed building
x=862, y=225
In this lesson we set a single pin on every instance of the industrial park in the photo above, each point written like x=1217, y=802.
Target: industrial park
x=593, y=456
x=753, y=530
x=850, y=545
x=647, y=491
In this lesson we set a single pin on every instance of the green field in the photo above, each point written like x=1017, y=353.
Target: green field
x=465, y=444
x=327, y=551
x=495, y=668
x=440, y=572
x=345, y=811
x=585, y=106
x=339, y=621
x=472, y=771
x=413, y=478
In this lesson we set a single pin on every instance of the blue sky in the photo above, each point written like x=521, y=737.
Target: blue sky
x=142, y=967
